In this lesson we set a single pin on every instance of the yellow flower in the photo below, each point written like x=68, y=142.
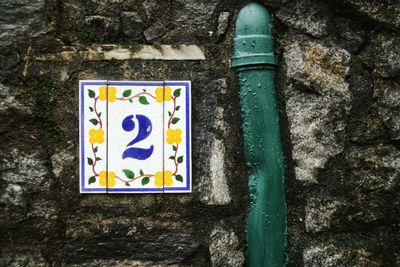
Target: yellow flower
x=96, y=136
x=174, y=136
x=167, y=94
x=159, y=178
x=103, y=178
x=112, y=91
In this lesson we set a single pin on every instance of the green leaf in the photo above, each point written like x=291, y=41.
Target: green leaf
x=91, y=109
x=175, y=120
x=128, y=173
x=179, y=178
x=98, y=159
x=127, y=93
x=177, y=92
x=172, y=157
x=180, y=159
x=90, y=161
x=95, y=149
x=145, y=180
x=173, y=148
x=144, y=90
x=130, y=100
x=169, y=113
x=143, y=100
x=99, y=114
x=177, y=108
x=127, y=184
x=141, y=172
x=94, y=121
x=91, y=93
x=92, y=180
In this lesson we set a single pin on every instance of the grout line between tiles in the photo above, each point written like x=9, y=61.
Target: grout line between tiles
x=107, y=137
x=163, y=136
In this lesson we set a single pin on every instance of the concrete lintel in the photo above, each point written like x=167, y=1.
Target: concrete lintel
x=117, y=52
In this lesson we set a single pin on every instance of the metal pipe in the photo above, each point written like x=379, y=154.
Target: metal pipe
x=254, y=60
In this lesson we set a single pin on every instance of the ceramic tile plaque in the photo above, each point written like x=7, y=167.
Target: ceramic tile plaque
x=135, y=137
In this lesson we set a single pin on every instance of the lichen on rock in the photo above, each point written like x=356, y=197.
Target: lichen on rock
x=318, y=101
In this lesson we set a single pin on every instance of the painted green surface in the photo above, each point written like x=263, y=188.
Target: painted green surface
x=254, y=61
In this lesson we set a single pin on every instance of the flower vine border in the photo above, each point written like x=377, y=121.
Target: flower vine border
x=126, y=96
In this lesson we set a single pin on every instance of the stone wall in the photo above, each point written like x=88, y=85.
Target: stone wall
x=339, y=94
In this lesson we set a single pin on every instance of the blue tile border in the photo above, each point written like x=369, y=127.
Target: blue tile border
x=186, y=189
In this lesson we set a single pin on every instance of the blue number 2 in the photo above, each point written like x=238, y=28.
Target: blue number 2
x=144, y=131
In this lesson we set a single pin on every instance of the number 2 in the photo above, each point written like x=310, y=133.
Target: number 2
x=144, y=131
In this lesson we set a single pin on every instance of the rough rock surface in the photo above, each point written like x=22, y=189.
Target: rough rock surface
x=132, y=23
x=135, y=238
x=387, y=12
x=219, y=194
x=390, y=105
x=223, y=20
x=317, y=104
x=375, y=168
x=26, y=193
x=309, y=16
x=340, y=93
x=22, y=258
x=154, y=32
x=319, y=214
x=333, y=256
x=198, y=14
x=9, y=101
x=224, y=247
x=383, y=54
x=21, y=19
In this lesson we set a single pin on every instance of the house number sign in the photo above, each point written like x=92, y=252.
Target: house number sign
x=135, y=136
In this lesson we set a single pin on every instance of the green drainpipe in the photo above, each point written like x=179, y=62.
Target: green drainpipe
x=254, y=60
